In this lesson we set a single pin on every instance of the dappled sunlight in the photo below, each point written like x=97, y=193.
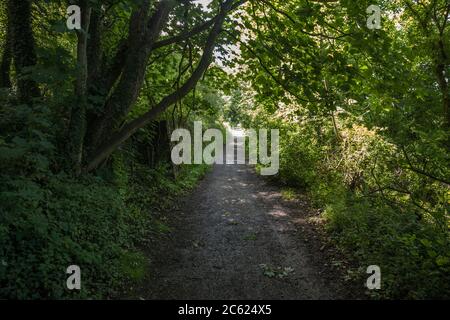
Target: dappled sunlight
x=278, y=213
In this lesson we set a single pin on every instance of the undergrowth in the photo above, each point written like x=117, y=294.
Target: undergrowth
x=49, y=220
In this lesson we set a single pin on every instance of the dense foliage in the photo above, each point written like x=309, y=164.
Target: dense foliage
x=85, y=118
x=52, y=214
x=364, y=126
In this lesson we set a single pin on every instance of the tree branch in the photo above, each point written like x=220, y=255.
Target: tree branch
x=130, y=128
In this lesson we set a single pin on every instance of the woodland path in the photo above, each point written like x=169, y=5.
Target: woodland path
x=234, y=237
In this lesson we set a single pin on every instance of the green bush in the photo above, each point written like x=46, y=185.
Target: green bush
x=413, y=256
x=47, y=227
x=376, y=211
x=50, y=219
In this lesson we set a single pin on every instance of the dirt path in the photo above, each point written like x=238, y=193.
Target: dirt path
x=235, y=237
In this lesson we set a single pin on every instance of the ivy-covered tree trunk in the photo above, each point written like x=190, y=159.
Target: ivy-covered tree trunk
x=23, y=48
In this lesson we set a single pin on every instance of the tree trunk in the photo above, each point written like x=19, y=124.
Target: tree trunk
x=143, y=34
x=23, y=48
x=94, y=45
x=441, y=66
x=5, y=66
x=128, y=130
x=77, y=128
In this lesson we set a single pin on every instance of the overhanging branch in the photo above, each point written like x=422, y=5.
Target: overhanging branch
x=130, y=128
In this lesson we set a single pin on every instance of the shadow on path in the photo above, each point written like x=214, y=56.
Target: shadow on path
x=235, y=238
